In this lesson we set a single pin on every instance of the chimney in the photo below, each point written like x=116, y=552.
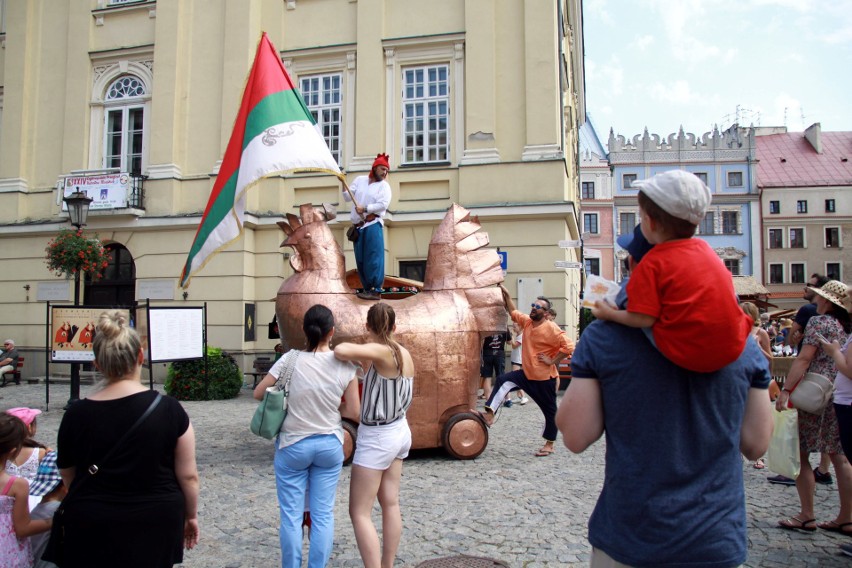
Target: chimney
x=812, y=136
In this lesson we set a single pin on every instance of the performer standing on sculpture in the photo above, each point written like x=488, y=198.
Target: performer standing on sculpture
x=545, y=344
x=371, y=195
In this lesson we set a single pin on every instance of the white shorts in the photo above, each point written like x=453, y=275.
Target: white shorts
x=377, y=446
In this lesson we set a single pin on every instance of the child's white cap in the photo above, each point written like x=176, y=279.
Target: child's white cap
x=679, y=193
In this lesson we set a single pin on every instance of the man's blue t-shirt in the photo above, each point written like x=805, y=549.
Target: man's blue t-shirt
x=673, y=490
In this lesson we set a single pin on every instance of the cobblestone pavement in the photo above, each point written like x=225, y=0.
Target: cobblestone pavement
x=508, y=505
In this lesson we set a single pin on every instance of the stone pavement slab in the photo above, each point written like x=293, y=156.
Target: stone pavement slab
x=525, y=511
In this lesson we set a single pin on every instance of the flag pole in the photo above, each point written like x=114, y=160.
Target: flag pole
x=351, y=196
x=349, y=191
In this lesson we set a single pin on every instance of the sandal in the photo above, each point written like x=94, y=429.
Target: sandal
x=797, y=524
x=544, y=451
x=759, y=464
x=835, y=527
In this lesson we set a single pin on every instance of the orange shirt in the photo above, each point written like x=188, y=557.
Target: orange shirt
x=546, y=338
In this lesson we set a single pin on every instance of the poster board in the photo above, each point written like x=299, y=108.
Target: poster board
x=72, y=330
x=175, y=334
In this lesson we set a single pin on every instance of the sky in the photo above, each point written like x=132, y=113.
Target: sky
x=663, y=64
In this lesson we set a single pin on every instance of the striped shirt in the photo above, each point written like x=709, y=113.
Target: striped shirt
x=384, y=400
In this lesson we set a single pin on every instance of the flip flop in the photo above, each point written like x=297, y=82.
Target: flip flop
x=797, y=524
x=759, y=464
x=544, y=452
x=834, y=527
x=481, y=416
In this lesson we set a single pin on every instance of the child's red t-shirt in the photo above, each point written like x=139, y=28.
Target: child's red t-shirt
x=684, y=284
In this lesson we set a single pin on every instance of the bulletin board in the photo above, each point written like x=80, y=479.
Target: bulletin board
x=175, y=334
x=72, y=331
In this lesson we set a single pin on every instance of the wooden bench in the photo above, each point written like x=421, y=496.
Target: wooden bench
x=260, y=368
x=16, y=374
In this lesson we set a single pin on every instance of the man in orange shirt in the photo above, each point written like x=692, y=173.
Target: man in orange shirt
x=545, y=344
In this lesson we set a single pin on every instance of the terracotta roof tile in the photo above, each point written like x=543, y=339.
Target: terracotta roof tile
x=801, y=165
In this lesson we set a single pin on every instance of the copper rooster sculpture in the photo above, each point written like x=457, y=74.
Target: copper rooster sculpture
x=442, y=326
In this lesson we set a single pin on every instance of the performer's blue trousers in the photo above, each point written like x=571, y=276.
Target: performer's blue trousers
x=370, y=256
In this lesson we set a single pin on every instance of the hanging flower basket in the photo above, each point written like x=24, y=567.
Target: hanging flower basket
x=71, y=252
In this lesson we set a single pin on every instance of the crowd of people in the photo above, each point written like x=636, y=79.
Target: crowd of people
x=124, y=465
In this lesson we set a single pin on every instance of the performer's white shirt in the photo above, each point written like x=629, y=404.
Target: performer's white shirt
x=374, y=197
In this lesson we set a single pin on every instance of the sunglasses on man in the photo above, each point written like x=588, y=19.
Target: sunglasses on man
x=537, y=307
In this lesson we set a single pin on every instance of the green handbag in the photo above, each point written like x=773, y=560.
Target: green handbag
x=272, y=410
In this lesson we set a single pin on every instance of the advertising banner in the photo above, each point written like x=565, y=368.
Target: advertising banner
x=109, y=191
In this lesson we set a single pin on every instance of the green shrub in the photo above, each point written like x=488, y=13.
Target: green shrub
x=186, y=379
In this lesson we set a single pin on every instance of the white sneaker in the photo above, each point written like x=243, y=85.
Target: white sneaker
x=523, y=400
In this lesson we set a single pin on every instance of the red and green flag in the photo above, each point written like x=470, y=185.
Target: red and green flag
x=274, y=133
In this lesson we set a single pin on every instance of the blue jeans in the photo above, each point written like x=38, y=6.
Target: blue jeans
x=315, y=461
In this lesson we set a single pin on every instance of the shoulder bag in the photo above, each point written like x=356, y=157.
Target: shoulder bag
x=352, y=233
x=55, y=549
x=813, y=393
x=272, y=410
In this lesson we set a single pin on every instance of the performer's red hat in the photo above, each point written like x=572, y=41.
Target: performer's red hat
x=381, y=160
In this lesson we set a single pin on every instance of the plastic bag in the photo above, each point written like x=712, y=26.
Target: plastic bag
x=783, y=455
x=598, y=288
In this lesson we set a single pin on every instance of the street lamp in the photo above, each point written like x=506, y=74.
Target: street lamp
x=78, y=209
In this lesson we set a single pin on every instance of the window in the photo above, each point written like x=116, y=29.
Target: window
x=832, y=237
x=829, y=206
x=802, y=206
x=730, y=222
x=323, y=95
x=708, y=224
x=797, y=273
x=590, y=223
x=626, y=223
x=735, y=179
x=733, y=266
x=2, y=16
x=588, y=190
x=627, y=180
x=593, y=266
x=412, y=269
x=426, y=110
x=124, y=129
x=702, y=176
x=776, y=273
x=832, y=270
x=776, y=238
x=797, y=238
x=774, y=207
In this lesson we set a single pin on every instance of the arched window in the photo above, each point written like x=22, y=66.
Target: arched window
x=124, y=127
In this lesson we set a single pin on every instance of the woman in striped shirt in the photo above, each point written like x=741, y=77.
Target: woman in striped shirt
x=384, y=437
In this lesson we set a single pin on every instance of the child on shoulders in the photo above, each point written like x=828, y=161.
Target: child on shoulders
x=681, y=289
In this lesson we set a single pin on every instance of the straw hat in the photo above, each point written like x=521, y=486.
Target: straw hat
x=835, y=292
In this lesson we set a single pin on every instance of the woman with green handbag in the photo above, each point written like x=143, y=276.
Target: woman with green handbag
x=310, y=444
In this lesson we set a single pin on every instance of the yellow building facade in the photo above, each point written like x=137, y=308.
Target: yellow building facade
x=476, y=101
